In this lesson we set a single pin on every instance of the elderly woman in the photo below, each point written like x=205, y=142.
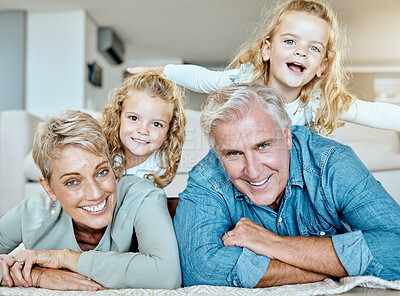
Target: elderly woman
x=90, y=232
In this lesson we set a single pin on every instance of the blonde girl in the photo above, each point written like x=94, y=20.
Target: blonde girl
x=144, y=124
x=298, y=52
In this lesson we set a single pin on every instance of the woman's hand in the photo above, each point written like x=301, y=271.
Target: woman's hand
x=47, y=258
x=10, y=265
x=137, y=70
x=58, y=279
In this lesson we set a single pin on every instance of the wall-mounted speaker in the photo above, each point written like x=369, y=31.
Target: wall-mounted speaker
x=110, y=45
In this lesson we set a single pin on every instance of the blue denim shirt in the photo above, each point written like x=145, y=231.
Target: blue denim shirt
x=329, y=193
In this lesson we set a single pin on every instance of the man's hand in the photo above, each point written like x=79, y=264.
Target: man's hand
x=314, y=254
x=248, y=234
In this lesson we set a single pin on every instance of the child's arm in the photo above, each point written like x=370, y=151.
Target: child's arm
x=373, y=114
x=195, y=78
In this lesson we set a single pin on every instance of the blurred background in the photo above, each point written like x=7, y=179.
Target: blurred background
x=51, y=59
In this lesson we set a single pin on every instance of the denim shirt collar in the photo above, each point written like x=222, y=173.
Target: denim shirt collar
x=296, y=165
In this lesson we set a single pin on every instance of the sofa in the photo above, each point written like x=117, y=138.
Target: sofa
x=378, y=149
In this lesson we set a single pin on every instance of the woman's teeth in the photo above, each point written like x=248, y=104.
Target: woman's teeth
x=260, y=183
x=96, y=208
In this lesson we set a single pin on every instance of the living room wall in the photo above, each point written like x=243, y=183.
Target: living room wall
x=12, y=59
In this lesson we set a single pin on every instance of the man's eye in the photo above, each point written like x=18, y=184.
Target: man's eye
x=263, y=146
x=232, y=153
x=134, y=118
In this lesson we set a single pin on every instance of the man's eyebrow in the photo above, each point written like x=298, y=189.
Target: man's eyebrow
x=263, y=142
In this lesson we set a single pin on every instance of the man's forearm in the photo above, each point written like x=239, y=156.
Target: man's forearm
x=312, y=254
x=279, y=273
x=308, y=253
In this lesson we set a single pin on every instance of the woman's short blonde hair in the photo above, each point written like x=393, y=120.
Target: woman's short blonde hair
x=334, y=98
x=155, y=84
x=69, y=128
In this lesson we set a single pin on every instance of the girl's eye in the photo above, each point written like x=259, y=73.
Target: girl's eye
x=314, y=48
x=289, y=41
x=72, y=183
x=157, y=124
x=133, y=117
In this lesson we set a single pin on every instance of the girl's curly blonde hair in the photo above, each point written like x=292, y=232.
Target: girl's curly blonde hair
x=335, y=99
x=154, y=84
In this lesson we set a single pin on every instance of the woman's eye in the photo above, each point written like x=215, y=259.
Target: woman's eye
x=103, y=173
x=134, y=118
x=289, y=41
x=72, y=183
x=157, y=124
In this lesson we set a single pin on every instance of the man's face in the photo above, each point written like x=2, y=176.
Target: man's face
x=255, y=153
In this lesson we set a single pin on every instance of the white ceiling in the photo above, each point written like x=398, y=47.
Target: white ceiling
x=205, y=32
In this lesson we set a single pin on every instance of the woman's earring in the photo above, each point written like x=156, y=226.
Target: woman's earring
x=53, y=207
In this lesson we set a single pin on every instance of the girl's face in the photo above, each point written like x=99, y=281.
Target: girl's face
x=144, y=125
x=297, y=52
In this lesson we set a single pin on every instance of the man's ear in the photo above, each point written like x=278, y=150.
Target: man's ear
x=322, y=67
x=265, y=51
x=288, y=136
x=47, y=188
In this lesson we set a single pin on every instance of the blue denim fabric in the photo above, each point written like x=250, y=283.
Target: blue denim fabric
x=329, y=193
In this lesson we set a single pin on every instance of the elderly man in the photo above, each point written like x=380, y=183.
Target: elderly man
x=272, y=205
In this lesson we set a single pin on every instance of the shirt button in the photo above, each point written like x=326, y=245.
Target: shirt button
x=280, y=219
x=234, y=283
x=322, y=233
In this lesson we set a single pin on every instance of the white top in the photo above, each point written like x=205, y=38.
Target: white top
x=149, y=166
x=199, y=79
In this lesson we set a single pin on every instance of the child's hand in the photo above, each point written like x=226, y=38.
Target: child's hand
x=137, y=70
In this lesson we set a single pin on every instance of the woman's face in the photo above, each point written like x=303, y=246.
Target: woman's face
x=85, y=186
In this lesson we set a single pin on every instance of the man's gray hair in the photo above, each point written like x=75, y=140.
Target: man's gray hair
x=231, y=103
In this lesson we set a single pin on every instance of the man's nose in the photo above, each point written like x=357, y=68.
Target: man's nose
x=253, y=167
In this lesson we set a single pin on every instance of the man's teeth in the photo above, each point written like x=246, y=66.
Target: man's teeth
x=96, y=208
x=259, y=183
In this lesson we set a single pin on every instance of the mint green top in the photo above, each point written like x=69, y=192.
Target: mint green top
x=141, y=208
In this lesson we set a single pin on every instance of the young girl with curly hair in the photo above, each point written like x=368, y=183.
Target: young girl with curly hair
x=298, y=53
x=144, y=124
